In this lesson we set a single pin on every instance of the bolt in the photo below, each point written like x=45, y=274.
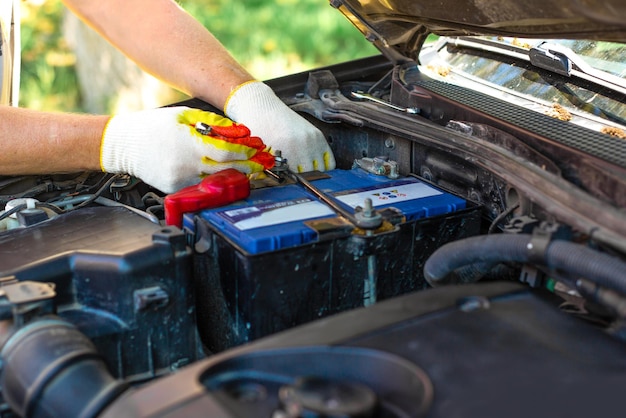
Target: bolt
x=368, y=209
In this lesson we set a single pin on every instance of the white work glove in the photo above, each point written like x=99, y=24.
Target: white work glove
x=171, y=148
x=255, y=105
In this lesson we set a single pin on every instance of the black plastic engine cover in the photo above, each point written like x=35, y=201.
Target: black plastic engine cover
x=124, y=281
x=495, y=349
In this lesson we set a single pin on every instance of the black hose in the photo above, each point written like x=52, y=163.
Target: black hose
x=51, y=369
x=97, y=194
x=451, y=262
x=11, y=211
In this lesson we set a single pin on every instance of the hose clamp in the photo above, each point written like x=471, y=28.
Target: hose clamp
x=538, y=245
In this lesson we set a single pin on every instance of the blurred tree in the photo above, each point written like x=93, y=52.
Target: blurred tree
x=81, y=71
x=110, y=82
x=48, y=78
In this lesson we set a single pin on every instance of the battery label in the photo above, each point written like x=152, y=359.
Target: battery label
x=388, y=195
x=275, y=213
x=275, y=218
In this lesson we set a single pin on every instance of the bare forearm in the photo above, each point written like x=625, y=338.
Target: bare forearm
x=35, y=142
x=167, y=42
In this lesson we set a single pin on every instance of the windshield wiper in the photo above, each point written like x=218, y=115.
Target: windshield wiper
x=548, y=56
x=562, y=60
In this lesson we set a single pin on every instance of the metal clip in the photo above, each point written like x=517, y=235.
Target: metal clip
x=202, y=128
x=364, y=96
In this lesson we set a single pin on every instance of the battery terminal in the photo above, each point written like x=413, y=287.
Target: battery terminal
x=380, y=166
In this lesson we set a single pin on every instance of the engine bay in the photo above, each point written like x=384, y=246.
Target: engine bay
x=390, y=285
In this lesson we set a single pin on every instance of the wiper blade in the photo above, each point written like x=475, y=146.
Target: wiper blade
x=548, y=56
x=562, y=60
x=547, y=59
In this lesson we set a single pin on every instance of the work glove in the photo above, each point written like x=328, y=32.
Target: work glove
x=171, y=148
x=255, y=105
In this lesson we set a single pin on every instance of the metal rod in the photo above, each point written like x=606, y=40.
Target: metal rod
x=368, y=223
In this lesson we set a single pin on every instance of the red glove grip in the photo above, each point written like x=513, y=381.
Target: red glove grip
x=214, y=190
x=234, y=131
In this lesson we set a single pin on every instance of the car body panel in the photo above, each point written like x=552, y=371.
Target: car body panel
x=399, y=27
x=509, y=299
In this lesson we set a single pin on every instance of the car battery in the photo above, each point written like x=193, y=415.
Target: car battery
x=282, y=257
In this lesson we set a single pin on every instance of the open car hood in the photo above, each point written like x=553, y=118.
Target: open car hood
x=399, y=27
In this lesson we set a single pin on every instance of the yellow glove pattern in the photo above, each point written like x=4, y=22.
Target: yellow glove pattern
x=171, y=148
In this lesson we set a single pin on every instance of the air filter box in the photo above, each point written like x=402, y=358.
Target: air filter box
x=124, y=281
x=281, y=257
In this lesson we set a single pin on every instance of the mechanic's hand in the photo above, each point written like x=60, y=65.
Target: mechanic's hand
x=255, y=105
x=171, y=148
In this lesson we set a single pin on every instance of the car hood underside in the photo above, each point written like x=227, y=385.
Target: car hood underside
x=399, y=27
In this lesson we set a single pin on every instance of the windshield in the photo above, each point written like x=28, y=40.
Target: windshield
x=605, y=56
x=474, y=62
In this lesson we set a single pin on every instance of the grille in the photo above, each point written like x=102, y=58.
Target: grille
x=606, y=147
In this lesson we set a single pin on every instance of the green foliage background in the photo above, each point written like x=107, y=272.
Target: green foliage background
x=270, y=38
x=47, y=78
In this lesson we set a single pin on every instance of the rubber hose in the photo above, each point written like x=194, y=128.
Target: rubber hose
x=450, y=263
x=51, y=369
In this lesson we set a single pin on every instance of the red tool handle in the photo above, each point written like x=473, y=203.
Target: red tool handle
x=214, y=190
